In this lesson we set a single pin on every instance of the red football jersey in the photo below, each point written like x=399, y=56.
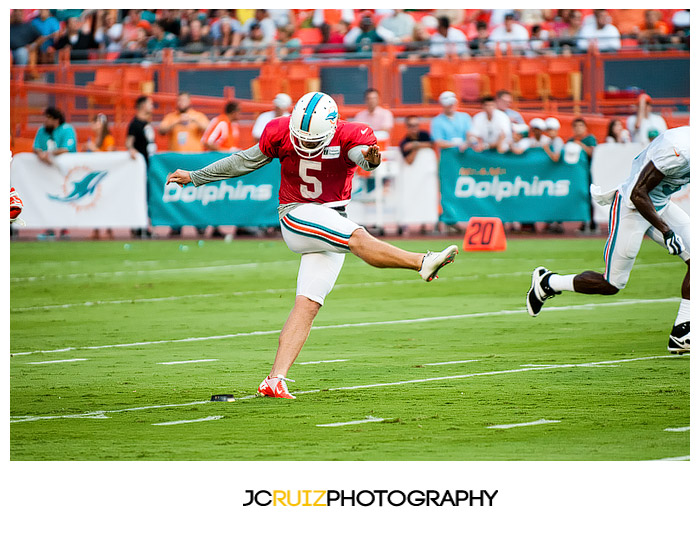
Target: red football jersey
x=324, y=179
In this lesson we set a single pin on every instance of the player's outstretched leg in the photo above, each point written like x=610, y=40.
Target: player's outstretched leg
x=547, y=284
x=381, y=254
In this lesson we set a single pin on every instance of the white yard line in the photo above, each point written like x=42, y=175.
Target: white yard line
x=57, y=361
x=319, y=362
x=93, y=303
x=184, y=362
x=519, y=311
x=517, y=425
x=212, y=418
x=682, y=429
x=449, y=363
x=673, y=459
x=102, y=414
x=368, y=419
x=148, y=272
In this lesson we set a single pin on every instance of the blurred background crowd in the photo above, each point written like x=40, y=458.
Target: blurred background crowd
x=36, y=34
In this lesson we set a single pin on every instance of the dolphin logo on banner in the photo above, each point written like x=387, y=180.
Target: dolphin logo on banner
x=84, y=187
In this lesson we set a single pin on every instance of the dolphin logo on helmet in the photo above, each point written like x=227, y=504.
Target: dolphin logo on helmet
x=312, y=123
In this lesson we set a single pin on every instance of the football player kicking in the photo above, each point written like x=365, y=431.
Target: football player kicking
x=318, y=153
x=639, y=206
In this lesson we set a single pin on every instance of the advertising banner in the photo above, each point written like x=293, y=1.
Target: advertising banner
x=250, y=200
x=78, y=190
x=529, y=187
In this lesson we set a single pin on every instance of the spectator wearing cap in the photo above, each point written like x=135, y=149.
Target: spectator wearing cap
x=510, y=33
x=504, y=101
x=520, y=143
x=601, y=32
x=450, y=128
x=380, y=119
x=490, y=129
x=644, y=126
x=282, y=103
x=537, y=136
x=556, y=144
x=448, y=40
x=253, y=43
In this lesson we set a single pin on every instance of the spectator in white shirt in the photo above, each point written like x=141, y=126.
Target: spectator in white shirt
x=400, y=24
x=603, y=33
x=645, y=126
x=556, y=145
x=520, y=141
x=267, y=25
x=491, y=128
x=537, y=136
x=448, y=40
x=511, y=32
x=282, y=103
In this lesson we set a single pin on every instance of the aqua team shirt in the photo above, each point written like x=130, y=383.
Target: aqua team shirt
x=450, y=128
x=63, y=137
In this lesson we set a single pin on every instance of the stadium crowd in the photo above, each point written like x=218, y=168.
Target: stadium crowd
x=36, y=35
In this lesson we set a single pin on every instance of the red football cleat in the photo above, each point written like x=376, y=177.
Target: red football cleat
x=16, y=205
x=275, y=387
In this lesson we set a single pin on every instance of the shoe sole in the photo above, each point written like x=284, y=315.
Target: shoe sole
x=450, y=259
x=535, y=276
x=680, y=349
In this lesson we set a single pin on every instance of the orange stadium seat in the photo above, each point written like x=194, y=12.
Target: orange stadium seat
x=564, y=78
x=530, y=81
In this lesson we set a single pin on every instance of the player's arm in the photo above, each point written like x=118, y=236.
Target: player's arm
x=367, y=157
x=236, y=165
x=649, y=178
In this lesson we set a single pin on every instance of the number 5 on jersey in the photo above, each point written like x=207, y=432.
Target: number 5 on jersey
x=314, y=188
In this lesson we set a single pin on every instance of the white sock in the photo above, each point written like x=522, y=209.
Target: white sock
x=562, y=282
x=683, y=312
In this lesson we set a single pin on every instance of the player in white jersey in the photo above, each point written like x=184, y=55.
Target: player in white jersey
x=640, y=206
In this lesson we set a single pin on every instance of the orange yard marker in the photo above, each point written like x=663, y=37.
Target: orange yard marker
x=484, y=234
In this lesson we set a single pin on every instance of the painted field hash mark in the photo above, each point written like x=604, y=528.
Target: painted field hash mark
x=367, y=419
x=212, y=418
x=517, y=425
x=186, y=362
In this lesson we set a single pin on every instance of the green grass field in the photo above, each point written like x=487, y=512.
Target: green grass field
x=439, y=362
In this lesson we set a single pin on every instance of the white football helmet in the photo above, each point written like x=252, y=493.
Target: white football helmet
x=312, y=123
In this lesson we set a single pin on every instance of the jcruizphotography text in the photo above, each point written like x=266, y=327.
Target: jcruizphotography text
x=381, y=497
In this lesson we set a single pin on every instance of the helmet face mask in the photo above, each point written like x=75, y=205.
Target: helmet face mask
x=312, y=124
